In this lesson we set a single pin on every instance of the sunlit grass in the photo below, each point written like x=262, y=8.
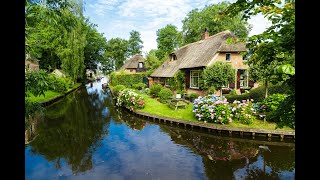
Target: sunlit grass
x=153, y=106
x=48, y=95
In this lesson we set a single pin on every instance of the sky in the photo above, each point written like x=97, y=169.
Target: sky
x=116, y=18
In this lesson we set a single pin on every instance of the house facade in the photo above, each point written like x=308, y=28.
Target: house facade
x=194, y=57
x=134, y=64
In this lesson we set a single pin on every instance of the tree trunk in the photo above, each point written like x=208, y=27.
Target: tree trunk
x=221, y=92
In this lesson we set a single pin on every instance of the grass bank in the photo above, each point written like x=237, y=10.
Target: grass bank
x=49, y=95
x=153, y=106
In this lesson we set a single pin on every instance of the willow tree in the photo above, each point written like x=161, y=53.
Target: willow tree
x=71, y=52
x=218, y=75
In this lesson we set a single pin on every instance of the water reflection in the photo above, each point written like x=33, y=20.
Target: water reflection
x=85, y=135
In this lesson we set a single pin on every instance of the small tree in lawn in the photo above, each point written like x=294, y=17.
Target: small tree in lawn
x=218, y=75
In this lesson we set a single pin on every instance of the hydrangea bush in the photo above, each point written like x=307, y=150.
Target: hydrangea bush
x=130, y=100
x=213, y=108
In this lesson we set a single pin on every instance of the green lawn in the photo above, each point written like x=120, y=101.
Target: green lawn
x=48, y=95
x=153, y=106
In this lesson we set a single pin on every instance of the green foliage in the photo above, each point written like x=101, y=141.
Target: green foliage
x=218, y=75
x=130, y=100
x=135, y=43
x=127, y=80
x=233, y=92
x=168, y=39
x=164, y=95
x=213, y=18
x=147, y=91
x=285, y=113
x=36, y=82
x=272, y=102
x=155, y=89
x=59, y=84
x=243, y=112
x=117, y=89
x=139, y=86
x=194, y=95
x=258, y=94
x=115, y=54
x=211, y=90
x=31, y=108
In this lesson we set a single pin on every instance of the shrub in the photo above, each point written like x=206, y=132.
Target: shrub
x=165, y=94
x=243, y=112
x=147, y=91
x=155, y=89
x=139, y=86
x=126, y=79
x=117, y=89
x=233, y=92
x=211, y=90
x=58, y=84
x=130, y=100
x=272, y=102
x=194, y=95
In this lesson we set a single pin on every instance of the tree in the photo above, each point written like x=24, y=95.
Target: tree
x=152, y=62
x=213, y=18
x=168, y=39
x=274, y=49
x=218, y=75
x=95, y=47
x=135, y=43
x=116, y=53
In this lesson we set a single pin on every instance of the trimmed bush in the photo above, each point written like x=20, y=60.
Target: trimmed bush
x=139, y=86
x=194, y=95
x=126, y=79
x=164, y=95
x=155, y=89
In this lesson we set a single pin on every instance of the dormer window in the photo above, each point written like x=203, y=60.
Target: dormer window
x=140, y=65
x=228, y=55
x=173, y=57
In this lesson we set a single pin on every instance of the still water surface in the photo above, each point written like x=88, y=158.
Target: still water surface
x=84, y=136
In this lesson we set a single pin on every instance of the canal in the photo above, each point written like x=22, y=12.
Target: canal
x=84, y=136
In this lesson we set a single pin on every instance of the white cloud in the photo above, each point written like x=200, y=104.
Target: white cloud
x=118, y=18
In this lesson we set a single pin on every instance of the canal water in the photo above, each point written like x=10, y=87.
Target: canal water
x=84, y=136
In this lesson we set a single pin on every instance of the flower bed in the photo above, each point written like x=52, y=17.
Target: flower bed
x=129, y=99
x=217, y=109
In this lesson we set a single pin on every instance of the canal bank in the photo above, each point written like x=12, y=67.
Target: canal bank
x=85, y=136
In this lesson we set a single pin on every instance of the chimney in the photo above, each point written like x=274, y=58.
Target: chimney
x=205, y=34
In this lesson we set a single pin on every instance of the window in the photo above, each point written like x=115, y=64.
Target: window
x=174, y=57
x=228, y=56
x=194, y=79
x=140, y=65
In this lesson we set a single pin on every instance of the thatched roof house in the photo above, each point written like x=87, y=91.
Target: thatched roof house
x=134, y=64
x=194, y=57
x=198, y=54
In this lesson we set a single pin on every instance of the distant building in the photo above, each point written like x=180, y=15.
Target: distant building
x=134, y=64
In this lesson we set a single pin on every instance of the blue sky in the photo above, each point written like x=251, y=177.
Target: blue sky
x=116, y=18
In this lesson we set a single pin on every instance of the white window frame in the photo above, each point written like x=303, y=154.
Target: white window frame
x=193, y=77
x=229, y=57
x=141, y=65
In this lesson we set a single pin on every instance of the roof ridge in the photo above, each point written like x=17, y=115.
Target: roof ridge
x=210, y=37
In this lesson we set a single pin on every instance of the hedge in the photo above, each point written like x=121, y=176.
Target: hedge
x=126, y=79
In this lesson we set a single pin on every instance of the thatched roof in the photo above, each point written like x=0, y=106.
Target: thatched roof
x=133, y=62
x=198, y=54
